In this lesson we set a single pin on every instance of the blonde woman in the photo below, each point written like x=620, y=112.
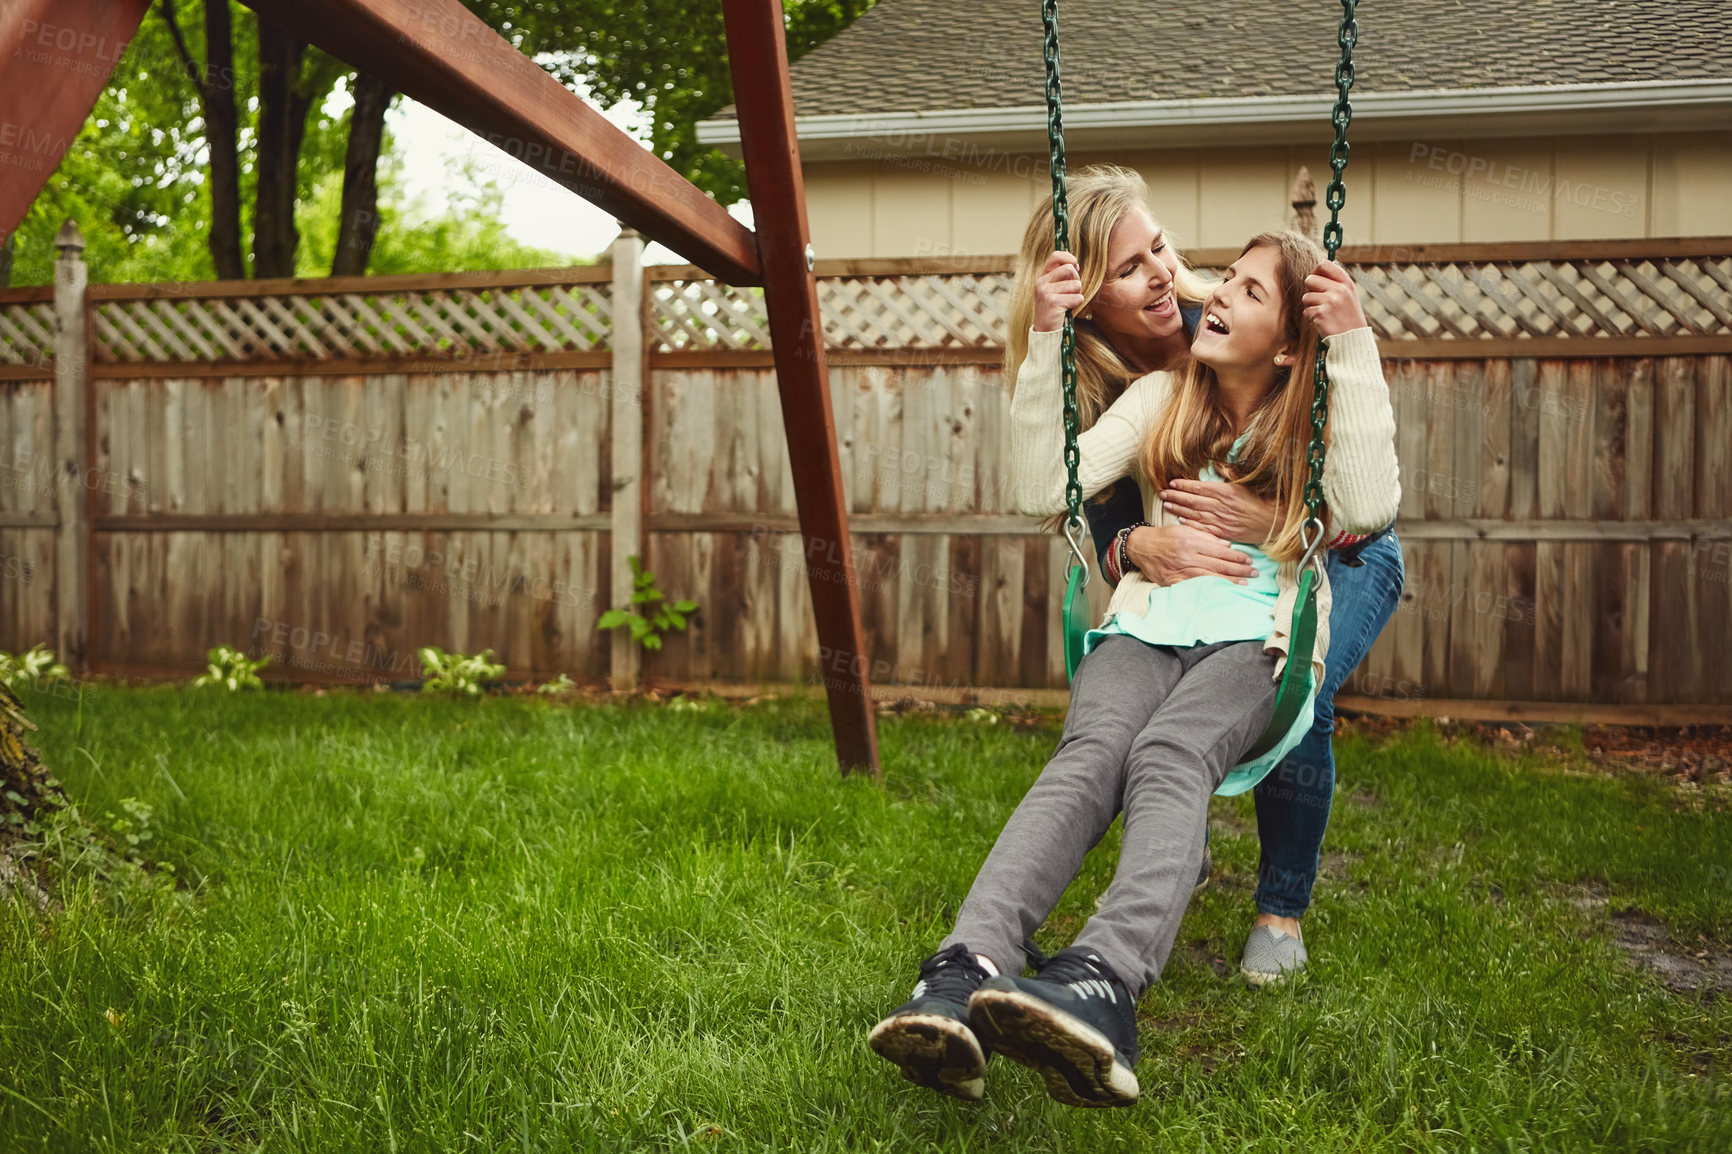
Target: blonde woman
x=1179, y=681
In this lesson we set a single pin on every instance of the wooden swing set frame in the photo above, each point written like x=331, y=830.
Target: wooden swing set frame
x=59, y=55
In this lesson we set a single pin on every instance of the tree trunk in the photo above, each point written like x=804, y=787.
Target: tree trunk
x=283, y=105
x=217, y=89
x=6, y=252
x=360, y=216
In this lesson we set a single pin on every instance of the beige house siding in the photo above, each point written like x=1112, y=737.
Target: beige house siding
x=1399, y=192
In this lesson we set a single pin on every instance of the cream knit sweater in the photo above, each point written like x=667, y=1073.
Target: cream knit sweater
x=1361, y=479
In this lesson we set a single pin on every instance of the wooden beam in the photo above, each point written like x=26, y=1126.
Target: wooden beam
x=350, y=522
x=55, y=59
x=1545, y=712
x=759, y=59
x=333, y=285
x=443, y=55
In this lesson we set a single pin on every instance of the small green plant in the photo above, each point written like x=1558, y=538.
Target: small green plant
x=232, y=669
x=36, y=666
x=559, y=685
x=982, y=716
x=651, y=614
x=443, y=672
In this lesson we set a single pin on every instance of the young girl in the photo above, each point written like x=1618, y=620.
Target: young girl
x=1178, y=683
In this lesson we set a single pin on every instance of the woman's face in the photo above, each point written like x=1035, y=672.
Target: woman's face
x=1136, y=303
x=1241, y=326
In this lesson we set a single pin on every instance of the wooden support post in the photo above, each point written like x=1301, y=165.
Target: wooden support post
x=626, y=390
x=71, y=378
x=759, y=60
x=55, y=57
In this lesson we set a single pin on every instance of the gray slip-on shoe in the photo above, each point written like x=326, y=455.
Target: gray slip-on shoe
x=1271, y=955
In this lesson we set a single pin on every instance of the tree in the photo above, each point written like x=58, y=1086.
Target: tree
x=215, y=84
x=358, y=219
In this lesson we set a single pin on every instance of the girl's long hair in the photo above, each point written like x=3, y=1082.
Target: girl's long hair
x=1196, y=429
x=1098, y=197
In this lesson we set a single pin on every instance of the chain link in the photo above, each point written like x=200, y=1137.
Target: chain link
x=1061, y=240
x=1335, y=199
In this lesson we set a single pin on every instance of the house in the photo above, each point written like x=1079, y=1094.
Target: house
x=923, y=130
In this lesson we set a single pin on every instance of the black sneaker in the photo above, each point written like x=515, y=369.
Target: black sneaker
x=929, y=1036
x=1074, y=1022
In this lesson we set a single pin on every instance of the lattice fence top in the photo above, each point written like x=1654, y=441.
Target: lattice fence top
x=27, y=334
x=434, y=323
x=1583, y=299
x=1578, y=298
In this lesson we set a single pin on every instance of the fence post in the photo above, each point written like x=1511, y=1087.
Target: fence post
x=626, y=538
x=71, y=376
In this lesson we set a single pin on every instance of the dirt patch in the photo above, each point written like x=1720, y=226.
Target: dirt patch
x=1691, y=754
x=1682, y=967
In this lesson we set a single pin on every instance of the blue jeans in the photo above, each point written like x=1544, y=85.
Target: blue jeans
x=1293, y=801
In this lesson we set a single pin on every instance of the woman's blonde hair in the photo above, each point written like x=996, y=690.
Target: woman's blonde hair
x=1098, y=197
x=1195, y=428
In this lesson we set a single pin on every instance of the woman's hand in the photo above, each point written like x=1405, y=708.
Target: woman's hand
x=1057, y=290
x=1167, y=554
x=1332, y=300
x=1230, y=512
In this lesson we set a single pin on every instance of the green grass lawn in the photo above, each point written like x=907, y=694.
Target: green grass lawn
x=409, y=925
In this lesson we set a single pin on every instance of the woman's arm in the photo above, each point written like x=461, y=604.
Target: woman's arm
x=1120, y=506
x=1109, y=449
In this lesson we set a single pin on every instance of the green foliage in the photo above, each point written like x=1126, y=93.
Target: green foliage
x=36, y=666
x=651, y=615
x=558, y=686
x=455, y=673
x=135, y=180
x=231, y=669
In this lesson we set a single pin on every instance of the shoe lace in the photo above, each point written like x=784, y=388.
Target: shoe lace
x=952, y=973
x=1073, y=965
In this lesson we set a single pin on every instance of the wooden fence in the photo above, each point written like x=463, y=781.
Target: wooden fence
x=338, y=472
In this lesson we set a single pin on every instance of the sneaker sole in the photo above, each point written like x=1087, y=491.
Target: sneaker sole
x=931, y=1050
x=1076, y=1060
x=1257, y=979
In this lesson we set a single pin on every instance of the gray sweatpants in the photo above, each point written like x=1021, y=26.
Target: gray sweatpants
x=1152, y=730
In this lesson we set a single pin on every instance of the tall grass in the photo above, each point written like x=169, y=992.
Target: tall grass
x=513, y=924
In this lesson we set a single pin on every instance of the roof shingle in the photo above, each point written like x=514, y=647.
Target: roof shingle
x=930, y=55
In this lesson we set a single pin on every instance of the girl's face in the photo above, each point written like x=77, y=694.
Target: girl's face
x=1241, y=326
x=1136, y=303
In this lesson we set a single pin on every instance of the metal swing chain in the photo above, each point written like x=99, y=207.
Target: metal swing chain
x=1335, y=198
x=1074, y=526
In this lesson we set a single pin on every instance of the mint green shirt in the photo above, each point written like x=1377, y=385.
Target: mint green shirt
x=1206, y=610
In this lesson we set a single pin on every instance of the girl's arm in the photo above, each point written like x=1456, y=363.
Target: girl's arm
x=1361, y=477
x=1361, y=480
x=1109, y=449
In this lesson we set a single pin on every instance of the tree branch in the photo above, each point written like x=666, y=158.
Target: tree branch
x=192, y=70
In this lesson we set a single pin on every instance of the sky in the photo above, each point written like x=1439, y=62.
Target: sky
x=437, y=154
